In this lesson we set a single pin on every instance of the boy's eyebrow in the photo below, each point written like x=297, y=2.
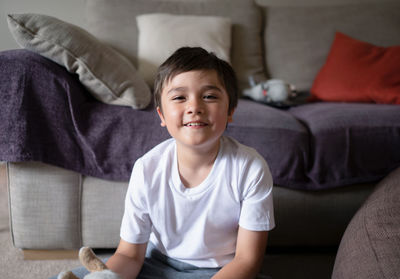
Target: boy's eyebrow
x=204, y=88
x=179, y=89
x=213, y=87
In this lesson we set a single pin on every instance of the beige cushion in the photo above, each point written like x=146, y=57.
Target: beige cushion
x=161, y=34
x=109, y=76
x=114, y=22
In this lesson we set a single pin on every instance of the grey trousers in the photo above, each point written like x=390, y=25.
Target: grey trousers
x=159, y=266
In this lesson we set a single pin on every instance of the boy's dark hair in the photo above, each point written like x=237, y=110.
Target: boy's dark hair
x=187, y=59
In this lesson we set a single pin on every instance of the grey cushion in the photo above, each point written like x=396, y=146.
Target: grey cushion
x=297, y=44
x=109, y=76
x=115, y=23
x=370, y=246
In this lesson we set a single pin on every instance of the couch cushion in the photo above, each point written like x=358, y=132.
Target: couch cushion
x=115, y=23
x=161, y=34
x=34, y=190
x=370, y=246
x=277, y=136
x=109, y=76
x=297, y=44
x=109, y=196
x=356, y=71
x=350, y=142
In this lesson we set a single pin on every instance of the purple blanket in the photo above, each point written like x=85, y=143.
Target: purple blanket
x=48, y=116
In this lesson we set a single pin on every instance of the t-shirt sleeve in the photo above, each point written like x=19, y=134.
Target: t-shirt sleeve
x=136, y=223
x=257, y=210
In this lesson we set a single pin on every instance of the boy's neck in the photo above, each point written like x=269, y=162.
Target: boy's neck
x=194, y=164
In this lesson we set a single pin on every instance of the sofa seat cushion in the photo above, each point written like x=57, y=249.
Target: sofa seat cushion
x=277, y=136
x=350, y=143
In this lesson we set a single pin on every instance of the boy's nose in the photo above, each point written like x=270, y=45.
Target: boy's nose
x=195, y=106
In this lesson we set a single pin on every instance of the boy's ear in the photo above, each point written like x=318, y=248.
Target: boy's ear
x=160, y=114
x=230, y=115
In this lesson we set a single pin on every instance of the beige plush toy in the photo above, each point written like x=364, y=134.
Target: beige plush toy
x=98, y=270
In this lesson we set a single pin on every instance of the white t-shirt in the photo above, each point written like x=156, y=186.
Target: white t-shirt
x=198, y=225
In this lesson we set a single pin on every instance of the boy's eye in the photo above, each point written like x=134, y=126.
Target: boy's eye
x=178, y=98
x=210, y=97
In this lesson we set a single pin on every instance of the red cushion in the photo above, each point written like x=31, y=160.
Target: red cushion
x=357, y=71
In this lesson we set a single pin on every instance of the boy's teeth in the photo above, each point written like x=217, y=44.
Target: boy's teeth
x=195, y=124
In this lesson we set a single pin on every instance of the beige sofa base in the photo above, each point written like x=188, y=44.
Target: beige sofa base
x=53, y=208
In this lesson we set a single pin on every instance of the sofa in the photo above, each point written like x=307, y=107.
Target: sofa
x=78, y=113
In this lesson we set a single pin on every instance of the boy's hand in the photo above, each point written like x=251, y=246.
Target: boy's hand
x=128, y=259
x=250, y=249
x=93, y=264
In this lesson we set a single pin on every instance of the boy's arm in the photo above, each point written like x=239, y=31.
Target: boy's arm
x=127, y=261
x=250, y=249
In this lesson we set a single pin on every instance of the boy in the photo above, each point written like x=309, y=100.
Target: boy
x=200, y=203
x=199, y=198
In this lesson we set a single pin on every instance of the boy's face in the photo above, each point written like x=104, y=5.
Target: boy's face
x=195, y=108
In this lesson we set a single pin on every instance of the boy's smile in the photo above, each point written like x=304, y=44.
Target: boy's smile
x=194, y=108
x=196, y=124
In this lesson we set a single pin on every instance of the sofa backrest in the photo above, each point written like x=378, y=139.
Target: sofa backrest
x=298, y=34
x=114, y=22
x=285, y=39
